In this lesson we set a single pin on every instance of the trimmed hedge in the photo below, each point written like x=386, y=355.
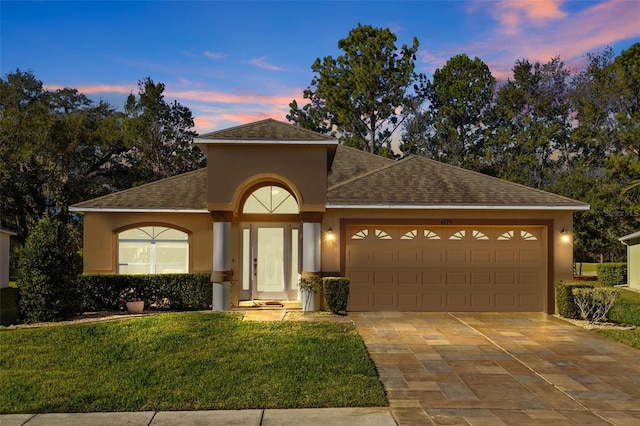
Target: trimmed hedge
x=174, y=291
x=565, y=301
x=612, y=274
x=336, y=293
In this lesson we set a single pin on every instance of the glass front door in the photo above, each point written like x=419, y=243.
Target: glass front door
x=270, y=261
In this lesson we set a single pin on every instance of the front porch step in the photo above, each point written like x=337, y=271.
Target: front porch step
x=270, y=304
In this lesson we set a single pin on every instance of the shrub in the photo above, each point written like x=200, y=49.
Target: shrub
x=336, y=293
x=49, y=266
x=594, y=303
x=612, y=274
x=565, y=300
x=175, y=291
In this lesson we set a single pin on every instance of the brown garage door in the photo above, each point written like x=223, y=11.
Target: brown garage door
x=446, y=268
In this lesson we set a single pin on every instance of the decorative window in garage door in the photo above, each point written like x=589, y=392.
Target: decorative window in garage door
x=378, y=234
x=510, y=235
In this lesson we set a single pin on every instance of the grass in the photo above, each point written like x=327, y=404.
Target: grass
x=625, y=311
x=9, y=305
x=586, y=267
x=185, y=361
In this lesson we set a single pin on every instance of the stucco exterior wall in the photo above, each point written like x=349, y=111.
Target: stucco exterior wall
x=633, y=264
x=100, y=237
x=303, y=169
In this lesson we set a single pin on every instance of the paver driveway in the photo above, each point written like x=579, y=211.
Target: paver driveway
x=494, y=369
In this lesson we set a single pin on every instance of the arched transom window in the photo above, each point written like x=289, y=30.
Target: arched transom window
x=271, y=200
x=153, y=250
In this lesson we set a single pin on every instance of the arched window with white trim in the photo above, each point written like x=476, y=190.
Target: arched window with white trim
x=153, y=250
x=271, y=200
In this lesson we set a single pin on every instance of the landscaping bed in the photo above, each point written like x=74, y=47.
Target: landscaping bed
x=185, y=361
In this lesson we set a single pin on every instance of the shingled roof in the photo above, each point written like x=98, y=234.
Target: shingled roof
x=356, y=180
x=266, y=130
x=423, y=183
x=183, y=193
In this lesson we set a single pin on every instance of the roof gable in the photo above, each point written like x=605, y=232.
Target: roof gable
x=265, y=130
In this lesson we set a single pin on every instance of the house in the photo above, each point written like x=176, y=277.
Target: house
x=278, y=202
x=5, y=250
x=632, y=241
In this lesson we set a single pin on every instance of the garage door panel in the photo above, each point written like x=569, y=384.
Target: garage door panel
x=529, y=256
x=481, y=257
x=360, y=277
x=505, y=301
x=384, y=278
x=481, y=268
x=456, y=256
x=409, y=257
x=456, y=300
x=456, y=278
x=432, y=257
x=409, y=278
x=433, y=302
x=481, y=278
x=383, y=257
x=384, y=300
x=359, y=256
x=481, y=301
x=430, y=278
x=505, y=277
x=505, y=256
x=408, y=301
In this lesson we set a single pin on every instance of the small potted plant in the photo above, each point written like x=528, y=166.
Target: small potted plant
x=135, y=305
x=309, y=288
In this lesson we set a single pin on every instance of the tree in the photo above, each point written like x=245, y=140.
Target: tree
x=451, y=129
x=49, y=268
x=361, y=94
x=159, y=135
x=56, y=149
x=530, y=125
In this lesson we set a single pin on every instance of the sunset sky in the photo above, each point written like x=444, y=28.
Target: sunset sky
x=236, y=62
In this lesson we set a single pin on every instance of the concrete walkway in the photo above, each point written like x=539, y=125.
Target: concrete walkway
x=299, y=417
x=497, y=369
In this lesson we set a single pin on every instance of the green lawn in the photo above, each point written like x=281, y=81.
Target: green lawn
x=625, y=311
x=9, y=305
x=185, y=361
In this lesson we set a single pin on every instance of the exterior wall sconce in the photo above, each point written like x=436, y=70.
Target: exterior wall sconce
x=330, y=235
x=565, y=236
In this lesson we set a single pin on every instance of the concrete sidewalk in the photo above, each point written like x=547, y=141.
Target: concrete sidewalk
x=276, y=417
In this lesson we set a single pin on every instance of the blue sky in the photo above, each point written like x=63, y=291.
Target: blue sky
x=236, y=62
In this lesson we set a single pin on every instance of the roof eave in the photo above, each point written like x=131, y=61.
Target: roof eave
x=209, y=141
x=457, y=207
x=629, y=237
x=78, y=209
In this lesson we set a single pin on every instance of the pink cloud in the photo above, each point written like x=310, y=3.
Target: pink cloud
x=100, y=88
x=262, y=63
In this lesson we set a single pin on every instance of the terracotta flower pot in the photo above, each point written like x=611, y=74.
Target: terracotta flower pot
x=135, y=307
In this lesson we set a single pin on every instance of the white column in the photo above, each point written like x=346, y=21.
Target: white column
x=311, y=260
x=220, y=276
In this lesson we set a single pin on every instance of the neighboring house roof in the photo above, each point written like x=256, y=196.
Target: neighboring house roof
x=7, y=232
x=183, y=193
x=356, y=180
x=634, y=236
x=268, y=130
x=418, y=182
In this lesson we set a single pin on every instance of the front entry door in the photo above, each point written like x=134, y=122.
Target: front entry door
x=270, y=261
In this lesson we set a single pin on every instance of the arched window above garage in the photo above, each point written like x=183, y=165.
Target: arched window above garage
x=271, y=200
